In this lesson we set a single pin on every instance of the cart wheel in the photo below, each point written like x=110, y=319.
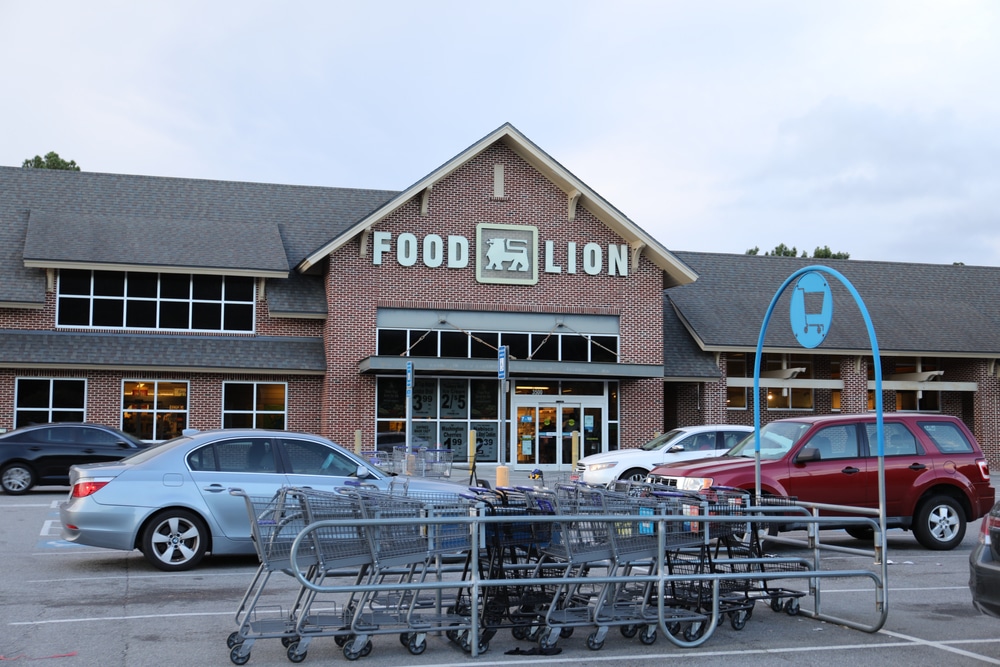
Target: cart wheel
x=792, y=607
x=415, y=646
x=289, y=640
x=293, y=653
x=367, y=648
x=236, y=657
x=592, y=642
x=775, y=603
x=693, y=631
x=406, y=637
x=533, y=633
x=484, y=646
x=546, y=640
x=519, y=632
x=566, y=633
x=341, y=639
x=738, y=619
x=649, y=635
x=629, y=631
x=674, y=628
x=234, y=639
x=749, y=612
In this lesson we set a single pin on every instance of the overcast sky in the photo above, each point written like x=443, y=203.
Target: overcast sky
x=871, y=127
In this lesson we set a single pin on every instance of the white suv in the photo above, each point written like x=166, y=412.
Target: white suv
x=680, y=444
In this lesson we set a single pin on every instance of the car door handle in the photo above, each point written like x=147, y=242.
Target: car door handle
x=215, y=488
x=918, y=466
x=850, y=470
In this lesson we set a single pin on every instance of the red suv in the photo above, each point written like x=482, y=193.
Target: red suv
x=936, y=477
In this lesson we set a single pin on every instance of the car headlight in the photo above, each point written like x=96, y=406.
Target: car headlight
x=694, y=483
x=602, y=466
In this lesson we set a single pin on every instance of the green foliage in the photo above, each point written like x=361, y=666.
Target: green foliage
x=826, y=253
x=50, y=161
x=781, y=250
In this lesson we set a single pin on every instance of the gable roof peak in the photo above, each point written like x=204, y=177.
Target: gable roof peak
x=577, y=192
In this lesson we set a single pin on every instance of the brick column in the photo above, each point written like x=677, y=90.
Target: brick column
x=854, y=396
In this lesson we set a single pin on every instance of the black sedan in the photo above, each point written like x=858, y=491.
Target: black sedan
x=43, y=453
x=984, y=565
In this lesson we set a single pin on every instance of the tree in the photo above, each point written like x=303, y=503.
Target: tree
x=826, y=253
x=50, y=161
x=781, y=250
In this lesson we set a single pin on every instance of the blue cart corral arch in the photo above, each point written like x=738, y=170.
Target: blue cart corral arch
x=811, y=315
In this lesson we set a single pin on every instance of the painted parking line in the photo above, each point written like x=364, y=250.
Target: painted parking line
x=944, y=646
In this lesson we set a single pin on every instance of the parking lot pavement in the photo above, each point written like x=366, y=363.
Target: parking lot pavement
x=79, y=606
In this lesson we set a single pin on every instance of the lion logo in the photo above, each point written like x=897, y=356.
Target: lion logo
x=502, y=250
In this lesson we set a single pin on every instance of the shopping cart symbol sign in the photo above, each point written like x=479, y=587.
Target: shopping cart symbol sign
x=811, y=309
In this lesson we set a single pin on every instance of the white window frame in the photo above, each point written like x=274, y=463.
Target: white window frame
x=50, y=409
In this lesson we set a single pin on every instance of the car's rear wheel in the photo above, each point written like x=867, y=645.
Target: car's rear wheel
x=634, y=475
x=864, y=533
x=940, y=523
x=175, y=540
x=17, y=478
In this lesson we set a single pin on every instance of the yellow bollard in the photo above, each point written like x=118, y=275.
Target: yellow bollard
x=503, y=476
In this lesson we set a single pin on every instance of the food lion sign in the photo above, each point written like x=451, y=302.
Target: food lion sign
x=504, y=254
x=507, y=254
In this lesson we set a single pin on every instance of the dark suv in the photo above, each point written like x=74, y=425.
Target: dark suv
x=936, y=477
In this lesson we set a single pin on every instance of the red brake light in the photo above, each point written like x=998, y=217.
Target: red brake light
x=984, y=468
x=84, y=489
x=990, y=522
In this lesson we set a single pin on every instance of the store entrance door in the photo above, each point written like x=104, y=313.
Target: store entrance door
x=545, y=434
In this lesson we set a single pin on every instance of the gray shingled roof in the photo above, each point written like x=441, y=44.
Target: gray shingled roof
x=305, y=217
x=244, y=246
x=39, y=349
x=682, y=358
x=918, y=309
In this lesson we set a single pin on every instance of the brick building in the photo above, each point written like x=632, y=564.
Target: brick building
x=158, y=304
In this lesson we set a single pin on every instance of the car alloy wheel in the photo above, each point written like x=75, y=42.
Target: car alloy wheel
x=940, y=523
x=16, y=479
x=175, y=540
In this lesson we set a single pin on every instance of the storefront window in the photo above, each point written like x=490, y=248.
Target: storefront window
x=738, y=365
x=254, y=405
x=154, y=409
x=443, y=411
x=43, y=400
x=790, y=398
x=133, y=300
x=447, y=344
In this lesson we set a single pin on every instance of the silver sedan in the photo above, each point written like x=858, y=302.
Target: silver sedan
x=172, y=501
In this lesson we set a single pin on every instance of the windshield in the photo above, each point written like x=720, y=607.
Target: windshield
x=776, y=440
x=660, y=440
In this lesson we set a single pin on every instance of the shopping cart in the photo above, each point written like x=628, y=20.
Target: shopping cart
x=275, y=522
x=409, y=550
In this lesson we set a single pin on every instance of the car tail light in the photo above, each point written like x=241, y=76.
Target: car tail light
x=84, y=489
x=984, y=468
x=990, y=522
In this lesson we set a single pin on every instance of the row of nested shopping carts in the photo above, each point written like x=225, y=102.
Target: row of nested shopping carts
x=539, y=562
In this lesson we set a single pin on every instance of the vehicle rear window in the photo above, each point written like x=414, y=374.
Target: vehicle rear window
x=948, y=438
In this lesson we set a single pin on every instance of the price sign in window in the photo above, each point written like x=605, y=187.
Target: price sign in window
x=454, y=399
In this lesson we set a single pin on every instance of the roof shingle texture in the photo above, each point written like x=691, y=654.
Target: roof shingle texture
x=917, y=309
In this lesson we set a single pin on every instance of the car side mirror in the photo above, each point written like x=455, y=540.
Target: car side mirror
x=363, y=472
x=676, y=449
x=808, y=454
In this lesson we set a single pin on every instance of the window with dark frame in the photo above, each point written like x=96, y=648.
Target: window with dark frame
x=135, y=300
